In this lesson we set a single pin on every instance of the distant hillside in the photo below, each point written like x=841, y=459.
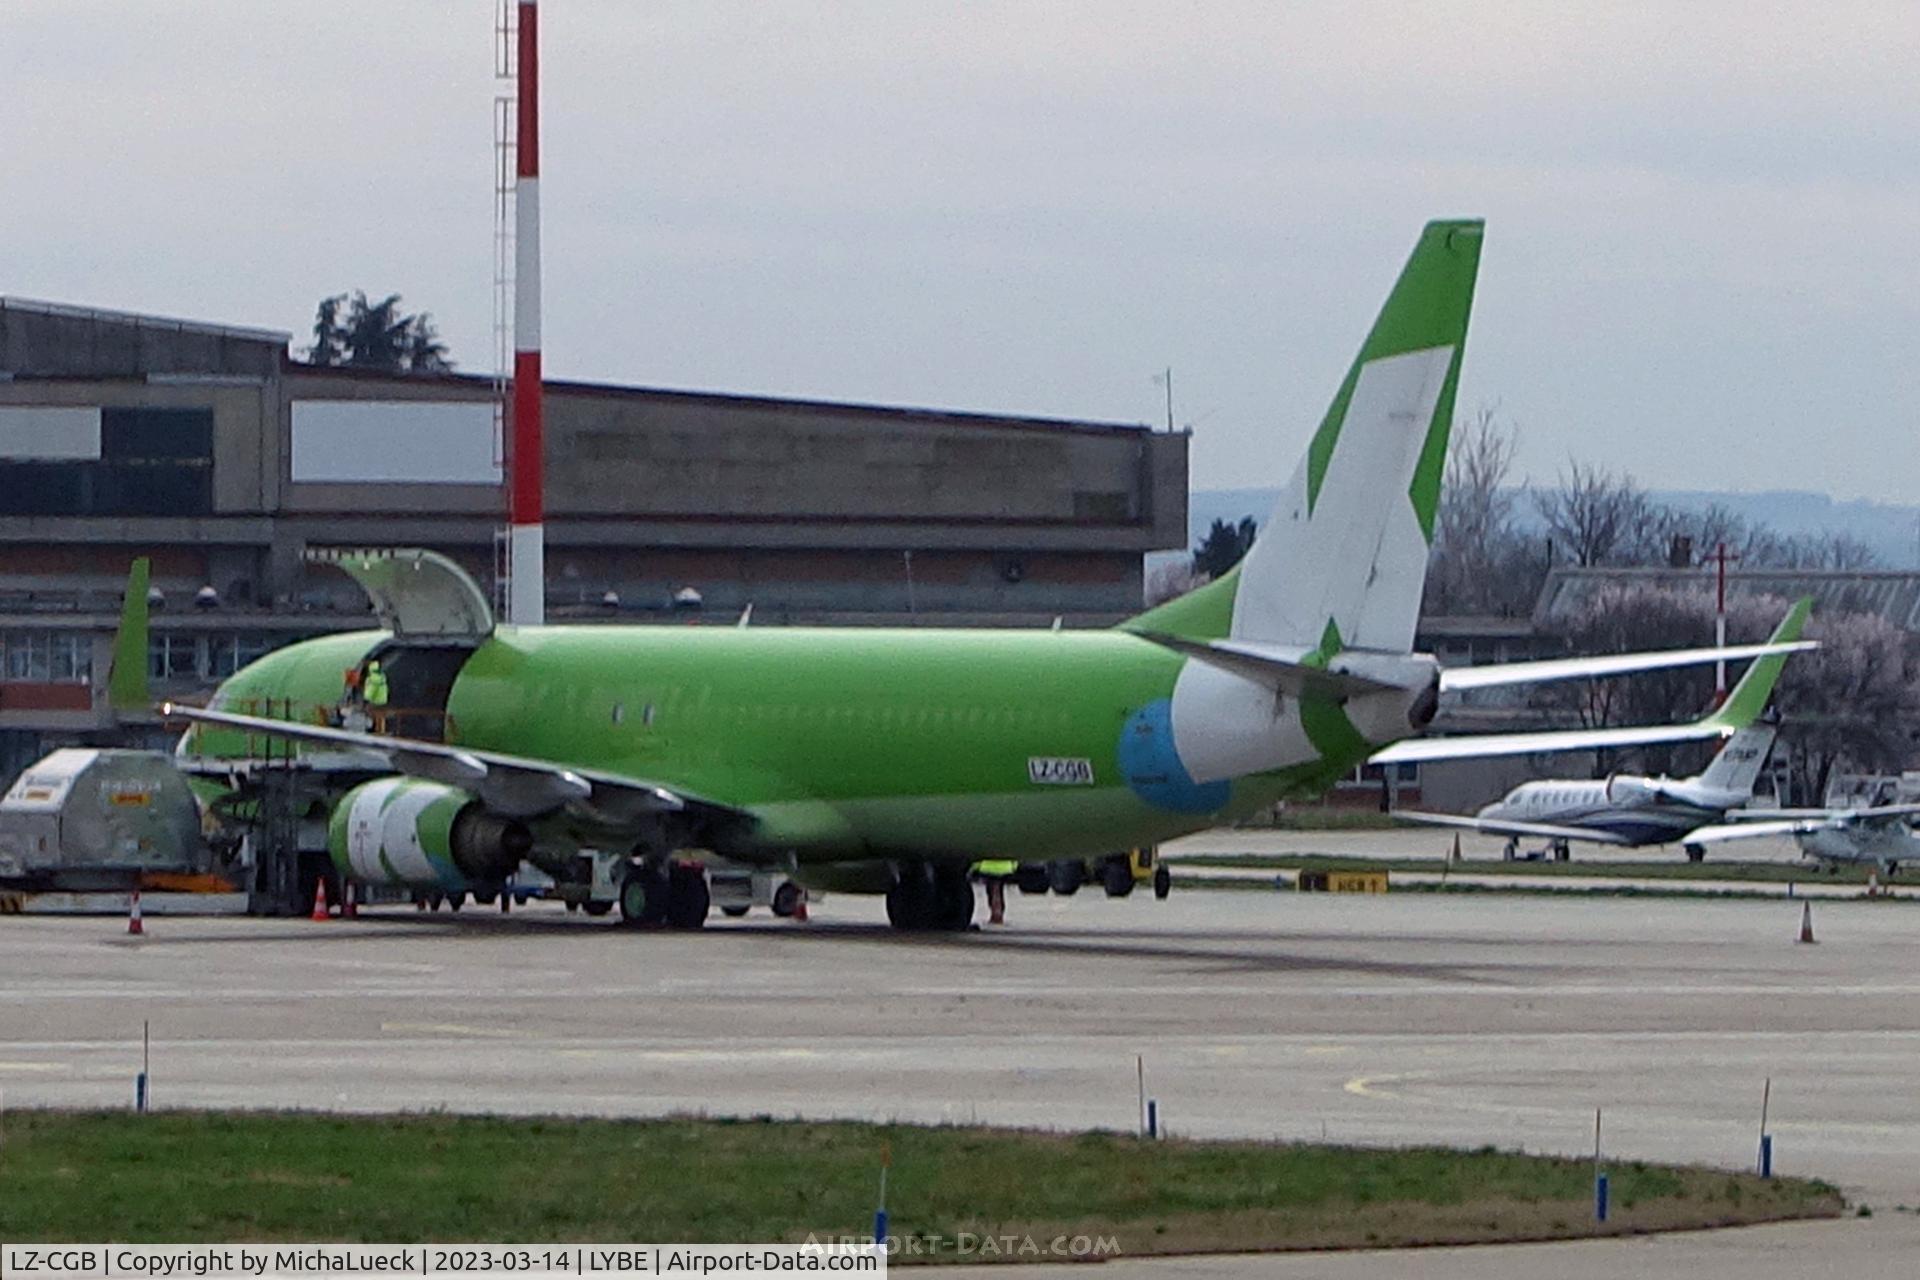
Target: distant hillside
x=1893, y=531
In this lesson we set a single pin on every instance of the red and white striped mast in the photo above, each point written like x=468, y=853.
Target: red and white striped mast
x=526, y=518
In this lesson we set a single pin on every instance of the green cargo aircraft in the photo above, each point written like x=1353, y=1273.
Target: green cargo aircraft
x=886, y=761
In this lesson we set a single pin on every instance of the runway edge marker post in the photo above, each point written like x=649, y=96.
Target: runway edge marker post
x=1766, y=1139
x=1599, y=1174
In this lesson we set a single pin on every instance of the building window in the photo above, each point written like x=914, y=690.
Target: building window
x=228, y=653
x=173, y=657
x=43, y=657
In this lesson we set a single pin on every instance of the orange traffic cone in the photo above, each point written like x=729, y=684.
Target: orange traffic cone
x=320, y=899
x=134, y=927
x=1806, y=922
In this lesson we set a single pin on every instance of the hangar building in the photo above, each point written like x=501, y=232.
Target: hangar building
x=207, y=448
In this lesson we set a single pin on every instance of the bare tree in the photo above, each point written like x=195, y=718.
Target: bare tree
x=1481, y=563
x=1596, y=517
x=1852, y=701
x=1175, y=578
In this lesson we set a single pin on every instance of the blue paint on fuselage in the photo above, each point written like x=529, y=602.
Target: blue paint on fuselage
x=1153, y=768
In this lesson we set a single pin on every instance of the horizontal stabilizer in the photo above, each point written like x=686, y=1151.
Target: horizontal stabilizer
x=1458, y=679
x=1477, y=746
x=1496, y=827
x=1276, y=666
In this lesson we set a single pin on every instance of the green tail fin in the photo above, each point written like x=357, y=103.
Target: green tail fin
x=1749, y=696
x=1347, y=541
x=127, y=681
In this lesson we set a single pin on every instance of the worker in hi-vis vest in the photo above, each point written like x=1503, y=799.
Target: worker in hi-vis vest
x=994, y=873
x=375, y=686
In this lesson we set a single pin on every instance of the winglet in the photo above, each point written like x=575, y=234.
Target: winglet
x=1750, y=695
x=127, y=679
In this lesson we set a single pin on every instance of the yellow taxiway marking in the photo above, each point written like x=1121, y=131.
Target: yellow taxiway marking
x=456, y=1029
x=33, y=1066
x=1327, y=1050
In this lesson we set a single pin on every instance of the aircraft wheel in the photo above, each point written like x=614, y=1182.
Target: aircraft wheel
x=1512, y=851
x=953, y=898
x=1696, y=853
x=911, y=901
x=688, y=898
x=484, y=899
x=1066, y=875
x=786, y=899
x=456, y=900
x=1116, y=877
x=1031, y=877
x=1162, y=881
x=733, y=912
x=1562, y=852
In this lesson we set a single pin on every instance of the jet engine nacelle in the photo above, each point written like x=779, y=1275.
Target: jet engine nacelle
x=1625, y=789
x=422, y=835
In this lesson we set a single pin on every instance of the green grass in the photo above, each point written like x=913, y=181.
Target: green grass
x=1678, y=869
x=261, y=1176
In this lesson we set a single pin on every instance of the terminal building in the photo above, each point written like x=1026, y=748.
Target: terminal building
x=206, y=448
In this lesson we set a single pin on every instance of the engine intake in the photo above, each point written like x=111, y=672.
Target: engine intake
x=416, y=834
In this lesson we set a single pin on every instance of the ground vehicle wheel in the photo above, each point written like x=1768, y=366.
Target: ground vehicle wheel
x=786, y=899
x=1032, y=877
x=1066, y=875
x=643, y=896
x=688, y=897
x=1696, y=852
x=734, y=912
x=1162, y=881
x=1116, y=877
x=596, y=908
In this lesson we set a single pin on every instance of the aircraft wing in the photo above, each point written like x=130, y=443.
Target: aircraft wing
x=516, y=786
x=1867, y=814
x=1500, y=827
x=1722, y=832
x=1476, y=746
x=1456, y=679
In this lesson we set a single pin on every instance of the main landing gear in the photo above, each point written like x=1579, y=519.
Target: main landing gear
x=674, y=894
x=930, y=896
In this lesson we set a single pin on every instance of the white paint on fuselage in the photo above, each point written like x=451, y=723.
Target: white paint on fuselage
x=1226, y=726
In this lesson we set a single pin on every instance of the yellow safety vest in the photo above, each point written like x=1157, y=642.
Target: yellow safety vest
x=996, y=867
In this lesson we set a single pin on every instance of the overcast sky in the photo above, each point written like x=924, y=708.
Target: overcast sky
x=1703, y=220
